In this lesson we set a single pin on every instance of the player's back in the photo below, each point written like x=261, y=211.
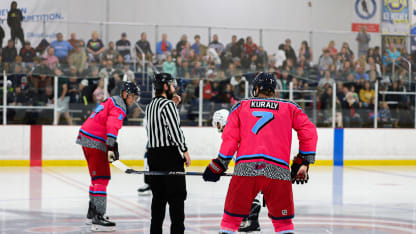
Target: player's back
x=96, y=124
x=265, y=129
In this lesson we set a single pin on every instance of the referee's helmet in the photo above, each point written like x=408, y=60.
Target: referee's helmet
x=163, y=78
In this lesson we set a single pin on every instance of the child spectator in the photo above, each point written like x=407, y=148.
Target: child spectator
x=169, y=66
x=27, y=53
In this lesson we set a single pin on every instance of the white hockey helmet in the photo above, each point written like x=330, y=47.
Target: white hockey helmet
x=220, y=116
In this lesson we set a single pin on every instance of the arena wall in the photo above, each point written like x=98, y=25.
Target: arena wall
x=55, y=146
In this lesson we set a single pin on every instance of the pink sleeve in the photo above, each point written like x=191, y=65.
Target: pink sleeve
x=307, y=135
x=231, y=134
x=115, y=119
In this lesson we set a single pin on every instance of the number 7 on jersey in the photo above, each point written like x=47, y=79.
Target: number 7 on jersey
x=265, y=118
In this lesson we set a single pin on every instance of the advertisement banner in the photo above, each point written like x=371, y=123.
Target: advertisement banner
x=41, y=19
x=398, y=41
x=366, y=13
x=395, y=17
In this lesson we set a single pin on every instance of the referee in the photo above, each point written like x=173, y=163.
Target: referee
x=166, y=144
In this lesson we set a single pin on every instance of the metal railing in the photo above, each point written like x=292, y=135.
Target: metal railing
x=312, y=100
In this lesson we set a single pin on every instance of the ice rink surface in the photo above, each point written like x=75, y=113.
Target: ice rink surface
x=349, y=200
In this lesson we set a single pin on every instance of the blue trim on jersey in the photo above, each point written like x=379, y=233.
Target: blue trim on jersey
x=98, y=192
x=91, y=135
x=280, y=218
x=235, y=108
x=114, y=102
x=225, y=156
x=121, y=117
x=307, y=152
x=271, y=158
x=111, y=135
x=235, y=215
x=265, y=99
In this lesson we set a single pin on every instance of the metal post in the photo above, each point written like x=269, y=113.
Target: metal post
x=55, y=102
x=291, y=91
x=314, y=106
x=107, y=19
x=261, y=37
x=394, y=65
x=4, y=98
x=201, y=101
x=44, y=28
x=209, y=35
x=105, y=87
x=334, y=103
x=143, y=62
x=410, y=75
x=310, y=39
x=101, y=32
x=246, y=89
x=156, y=36
x=376, y=104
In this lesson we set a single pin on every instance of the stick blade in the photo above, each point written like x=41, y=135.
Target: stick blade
x=121, y=166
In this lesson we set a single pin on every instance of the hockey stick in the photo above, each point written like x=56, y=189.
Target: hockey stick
x=128, y=170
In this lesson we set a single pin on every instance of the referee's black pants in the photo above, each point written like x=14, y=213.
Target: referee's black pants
x=167, y=189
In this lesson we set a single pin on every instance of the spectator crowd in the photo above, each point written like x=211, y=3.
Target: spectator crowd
x=83, y=66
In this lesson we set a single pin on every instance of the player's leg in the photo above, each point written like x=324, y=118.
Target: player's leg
x=241, y=192
x=279, y=199
x=90, y=212
x=145, y=189
x=251, y=223
x=100, y=175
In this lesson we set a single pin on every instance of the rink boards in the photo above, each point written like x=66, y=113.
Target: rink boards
x=46, y=145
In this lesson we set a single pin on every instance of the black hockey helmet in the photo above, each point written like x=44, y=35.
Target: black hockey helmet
x=163, y=78
x=131, y=88
x=265, y=82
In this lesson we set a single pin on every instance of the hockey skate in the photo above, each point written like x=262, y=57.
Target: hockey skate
x=249, y=226
x=102, y=224
x=90, y=214
x=251, y=223
x=145, y=190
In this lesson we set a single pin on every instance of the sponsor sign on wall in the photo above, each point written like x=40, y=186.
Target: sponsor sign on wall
x=395, y=17
x=366, y=13
x=41, y=19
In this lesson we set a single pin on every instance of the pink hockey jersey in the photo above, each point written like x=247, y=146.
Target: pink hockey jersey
x=260, y=130
x=101, y=127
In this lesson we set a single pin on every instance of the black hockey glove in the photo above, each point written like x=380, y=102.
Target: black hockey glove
x=112, y=153
x=301, y=177
x=213, y=171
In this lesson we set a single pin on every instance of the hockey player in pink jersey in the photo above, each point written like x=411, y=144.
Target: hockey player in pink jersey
x=260, y=130
x=98, y=138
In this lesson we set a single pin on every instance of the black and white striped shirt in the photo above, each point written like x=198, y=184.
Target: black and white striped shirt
x=162, y=124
